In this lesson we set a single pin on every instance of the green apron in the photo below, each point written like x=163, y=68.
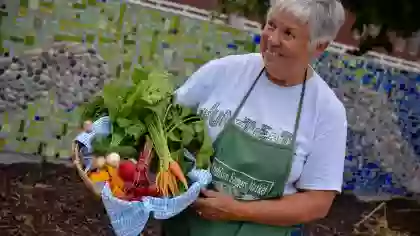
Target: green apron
x=246, y=168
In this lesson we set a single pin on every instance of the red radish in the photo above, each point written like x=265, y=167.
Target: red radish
x=127, y=170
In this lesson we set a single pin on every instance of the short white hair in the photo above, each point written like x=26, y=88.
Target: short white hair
x=324, y=17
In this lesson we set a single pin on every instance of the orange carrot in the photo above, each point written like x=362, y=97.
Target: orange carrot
x=166, y=184
x=160, y=183
x=177, y=172
x=115, y=182
x=173, y=185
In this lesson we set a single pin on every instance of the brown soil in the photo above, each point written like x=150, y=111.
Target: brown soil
x=401, y=215
x=59, y=204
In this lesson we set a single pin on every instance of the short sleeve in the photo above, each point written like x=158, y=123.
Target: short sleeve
x=324, y=166
x=200, y=84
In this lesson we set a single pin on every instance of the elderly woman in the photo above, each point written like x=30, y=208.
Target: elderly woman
x=279, y=131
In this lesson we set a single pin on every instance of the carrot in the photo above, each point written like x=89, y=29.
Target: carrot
x=166, y=180
x=173, y=185
x=160, y=183
x=177, y=172
x=166, y=183
x=169, y=170
x=114, y=177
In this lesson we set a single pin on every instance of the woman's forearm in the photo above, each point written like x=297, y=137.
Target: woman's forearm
x=290, y=210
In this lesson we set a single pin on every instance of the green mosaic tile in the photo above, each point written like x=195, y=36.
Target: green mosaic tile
x=123, y=35
x=2, y=144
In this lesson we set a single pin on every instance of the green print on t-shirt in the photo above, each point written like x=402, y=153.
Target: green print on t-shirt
x=214, y=116
x=218, y=118
x=264, y=132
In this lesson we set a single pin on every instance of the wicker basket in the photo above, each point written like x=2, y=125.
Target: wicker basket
x=133, y=217
x=83, y=173
x=152, y=229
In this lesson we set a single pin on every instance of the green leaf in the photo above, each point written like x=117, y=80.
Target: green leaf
x=185, y=111
x=173, y=136
x=125, y=151
x=124, y=123
x=114, y=94
x=116, y=139
x=101, y=144
x=136, y=130
x=159, y=87
x=94, y=109
x=173, y=116
x=199, y=126
x=178, y=156
x=139, y=74
x=206, y=151
x=160, y=108
x=187, y=132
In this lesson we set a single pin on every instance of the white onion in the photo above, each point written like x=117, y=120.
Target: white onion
x=113, y=159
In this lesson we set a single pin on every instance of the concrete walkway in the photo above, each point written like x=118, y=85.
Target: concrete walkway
x=8, y=158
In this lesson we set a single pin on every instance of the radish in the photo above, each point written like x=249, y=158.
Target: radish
x=127, y=170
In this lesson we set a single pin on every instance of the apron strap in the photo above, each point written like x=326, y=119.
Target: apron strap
x=239, y=108
x=296, y=126
x=299, y=112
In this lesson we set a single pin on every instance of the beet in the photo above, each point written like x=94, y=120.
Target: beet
x=136, y=176
x=137, y=193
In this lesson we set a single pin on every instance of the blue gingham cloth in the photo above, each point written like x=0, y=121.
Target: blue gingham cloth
x=128, y=218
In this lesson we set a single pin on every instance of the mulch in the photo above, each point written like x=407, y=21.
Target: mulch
x=58, y=204
x=401, y=215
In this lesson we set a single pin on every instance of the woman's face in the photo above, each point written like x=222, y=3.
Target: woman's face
x=285, y=45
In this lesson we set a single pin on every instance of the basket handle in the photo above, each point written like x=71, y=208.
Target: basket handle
x=83, y=175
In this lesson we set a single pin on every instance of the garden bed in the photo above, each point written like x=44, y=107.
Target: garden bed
x=59, y=204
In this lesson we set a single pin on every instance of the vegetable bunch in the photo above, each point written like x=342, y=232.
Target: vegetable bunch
x=143, y=114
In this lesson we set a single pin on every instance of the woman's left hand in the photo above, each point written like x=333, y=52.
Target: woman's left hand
x=216, y=206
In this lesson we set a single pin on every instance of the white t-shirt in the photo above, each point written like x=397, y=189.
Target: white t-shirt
x=269, y=113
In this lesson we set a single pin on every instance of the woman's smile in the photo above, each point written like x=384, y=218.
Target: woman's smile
x=272, y=55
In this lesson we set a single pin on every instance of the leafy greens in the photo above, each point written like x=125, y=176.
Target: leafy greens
x=130, y=103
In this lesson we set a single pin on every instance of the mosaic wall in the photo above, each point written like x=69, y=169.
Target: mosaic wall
x=383, y=145
x=42, y=83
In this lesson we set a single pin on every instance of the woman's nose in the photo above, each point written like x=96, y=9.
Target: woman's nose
x=274, y=40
